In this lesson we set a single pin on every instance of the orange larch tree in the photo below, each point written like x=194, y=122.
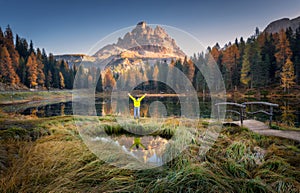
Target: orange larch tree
x=7, y=72
x=283, y=51
x=231, y=56
x=32, y=73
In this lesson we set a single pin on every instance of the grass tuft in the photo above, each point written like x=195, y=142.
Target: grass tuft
x=57, y=160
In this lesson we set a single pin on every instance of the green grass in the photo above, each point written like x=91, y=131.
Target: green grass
x=33, y=96
x=284, y=127
x=59, y=161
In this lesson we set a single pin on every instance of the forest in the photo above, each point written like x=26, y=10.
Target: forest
x=262, y=61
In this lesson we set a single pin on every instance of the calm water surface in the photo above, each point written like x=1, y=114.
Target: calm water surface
x=288, y=111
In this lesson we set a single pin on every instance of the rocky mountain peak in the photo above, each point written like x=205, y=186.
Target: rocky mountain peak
x=143, y=42
x=141, y=24
x=276, y=26
x=159, y=31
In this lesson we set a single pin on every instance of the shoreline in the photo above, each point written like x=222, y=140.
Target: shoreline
x=21, y=97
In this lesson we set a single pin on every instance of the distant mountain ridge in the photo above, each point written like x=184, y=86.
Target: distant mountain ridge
x=285, y=23
x=143, y=42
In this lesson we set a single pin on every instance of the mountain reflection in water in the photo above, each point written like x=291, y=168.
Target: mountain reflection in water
x=155, y=147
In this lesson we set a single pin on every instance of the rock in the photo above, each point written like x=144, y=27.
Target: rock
x=142, y=24
x=276, y=26
x=144, y=42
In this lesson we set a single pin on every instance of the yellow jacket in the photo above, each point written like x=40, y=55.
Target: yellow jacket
x=137, y=102
x=137, y=143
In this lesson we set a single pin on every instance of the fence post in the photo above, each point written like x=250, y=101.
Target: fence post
x=271, y=116
x=218, y=106
x=241, y=115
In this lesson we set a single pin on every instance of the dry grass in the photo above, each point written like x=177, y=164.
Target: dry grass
x=240, y=161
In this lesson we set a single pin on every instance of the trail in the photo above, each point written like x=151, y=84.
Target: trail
x=263, y=129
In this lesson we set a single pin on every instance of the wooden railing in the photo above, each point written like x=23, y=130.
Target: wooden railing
x=270, y=113
x=240, y=112
x=242, y=109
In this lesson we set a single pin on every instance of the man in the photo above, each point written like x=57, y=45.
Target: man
x=136, y=104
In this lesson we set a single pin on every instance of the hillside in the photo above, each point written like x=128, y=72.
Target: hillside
x=285, y=23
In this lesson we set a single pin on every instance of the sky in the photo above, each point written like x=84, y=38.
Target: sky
x=75, y=26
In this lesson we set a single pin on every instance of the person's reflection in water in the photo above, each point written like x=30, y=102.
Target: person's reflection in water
x=137, y=143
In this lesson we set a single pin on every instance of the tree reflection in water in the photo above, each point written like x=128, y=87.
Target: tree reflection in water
x=288, y=112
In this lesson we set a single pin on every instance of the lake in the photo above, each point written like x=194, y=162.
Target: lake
x=288, y=111
x=146, y=149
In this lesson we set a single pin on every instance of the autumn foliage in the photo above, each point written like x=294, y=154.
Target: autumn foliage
x=263, y=60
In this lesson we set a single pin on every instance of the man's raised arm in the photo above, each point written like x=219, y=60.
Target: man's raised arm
x=131, y=96
x=143, y=96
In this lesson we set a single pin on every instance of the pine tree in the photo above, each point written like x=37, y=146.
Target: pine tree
x=45, y=62
x=257, y=73
x=269, y=49
x=230, y=58
x=242, y=46
x=170, y=77
x=257, y=31
x=44, y=56
x=61, y=81
x=245, y=72
x=32, y=66
x=55, y=78
x=22, y=70
x=22, y=47
x=14, y=55
x=40, y=68
x=1, y=37
x=290, y=35
x=178, y=64
x=215, y=53
x=49, y=79
x=7, y=72
x=188, y=69
x=297, y=69
x=283, y=50
x=210, y=69
x=64, y=69
x=288, y=115
x=296, y=51
x=8, y=34
x=266, y=70
x=198, y=81
x=31, y=49
x=287, y=75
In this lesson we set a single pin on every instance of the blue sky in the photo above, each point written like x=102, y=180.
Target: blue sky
x=73, y=26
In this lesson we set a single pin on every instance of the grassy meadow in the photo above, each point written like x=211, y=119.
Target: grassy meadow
x=48, y=155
